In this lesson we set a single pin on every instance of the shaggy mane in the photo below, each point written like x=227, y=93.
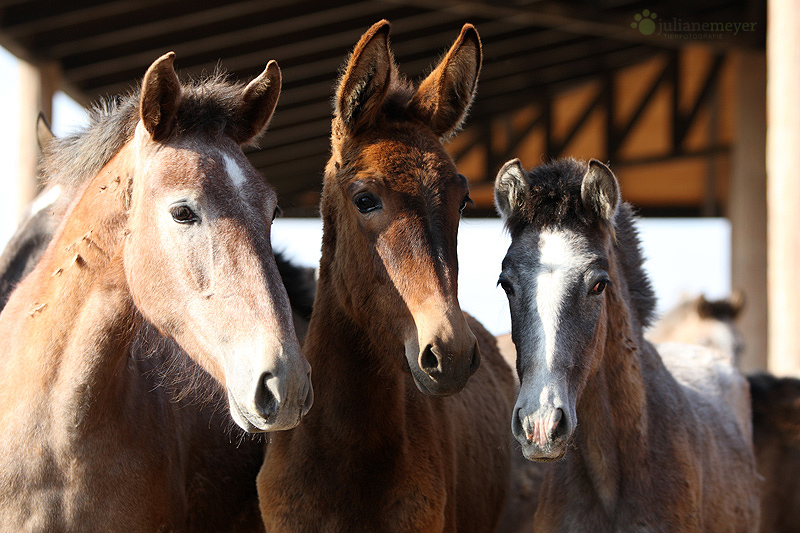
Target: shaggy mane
x=206, y=106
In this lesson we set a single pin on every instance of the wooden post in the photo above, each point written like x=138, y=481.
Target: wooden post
x=38, y=84
x=783, y=185
x=747, y=206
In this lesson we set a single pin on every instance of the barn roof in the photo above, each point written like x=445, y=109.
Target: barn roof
x=531, y=49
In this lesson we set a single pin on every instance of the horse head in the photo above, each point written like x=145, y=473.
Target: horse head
x=197, y=254
x=393, y=194
x=557, y=275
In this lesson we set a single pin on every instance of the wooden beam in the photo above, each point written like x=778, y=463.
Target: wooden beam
x=621, y=134
x=783, y=187
x=685, y=120
x=559, y=147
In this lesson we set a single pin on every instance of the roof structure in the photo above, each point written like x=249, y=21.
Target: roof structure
x=532, y=50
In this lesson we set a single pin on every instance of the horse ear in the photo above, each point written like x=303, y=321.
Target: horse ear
x=737, y=302
x=161, y=95
x=600, y=190
x=510, y=188
x=366, y=78
x=704, y=308
x=259, y=99
x=44, y=135
x=445, y=96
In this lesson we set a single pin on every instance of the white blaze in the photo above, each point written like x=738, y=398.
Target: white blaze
x=558, y=256
x=234, y=171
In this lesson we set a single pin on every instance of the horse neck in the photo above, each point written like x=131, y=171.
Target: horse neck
x=357, y=370
x=612, y=411
x=73, y=318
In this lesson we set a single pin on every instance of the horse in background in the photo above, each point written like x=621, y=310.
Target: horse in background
x=775, y=404
x=639, y=441
x=776, y=437
x=163, y=200
x=710, y=323
x=401, y=438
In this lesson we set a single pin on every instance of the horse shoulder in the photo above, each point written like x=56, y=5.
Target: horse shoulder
x=706, y=373
x=716, y=410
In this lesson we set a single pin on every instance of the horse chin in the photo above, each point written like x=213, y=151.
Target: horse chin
x=253, y=423
x=250, y=422
x=426, y=385
x=549, y=454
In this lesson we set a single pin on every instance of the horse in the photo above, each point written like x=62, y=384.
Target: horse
x=705, y=322
x=775, y=404
x=637, y=440
x=389, y=445
x=776, y=436
x=165, y=242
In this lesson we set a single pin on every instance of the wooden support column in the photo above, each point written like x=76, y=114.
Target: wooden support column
x=747, y=205
x=38, y=84
x=783, y=185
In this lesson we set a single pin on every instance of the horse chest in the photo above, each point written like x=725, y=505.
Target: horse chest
x=60, y=477
x=385, y=486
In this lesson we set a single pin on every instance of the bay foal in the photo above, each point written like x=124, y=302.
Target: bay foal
x=384, y=449
x=649, y=441
x=170, y=230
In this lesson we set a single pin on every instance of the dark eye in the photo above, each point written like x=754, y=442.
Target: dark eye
x=183, y=214
x=599, y=287
x=367, y=202
x=506, y=285
x=276, y=213
x=464, y=202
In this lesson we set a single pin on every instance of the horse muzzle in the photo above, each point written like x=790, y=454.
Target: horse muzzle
x=440, y=370
x=272, y=404
x=544, y=434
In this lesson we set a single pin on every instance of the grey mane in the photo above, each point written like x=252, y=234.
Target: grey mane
x=207, y=105
x=554, y=199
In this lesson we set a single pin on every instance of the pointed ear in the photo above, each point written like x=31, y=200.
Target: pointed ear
x=44, y=135
x=366, y=78
x=259, y=99
x=510, y=188
x=445, y=96
x=600, y=190
x=161, y=95
x=737, y=302
x=704, y=308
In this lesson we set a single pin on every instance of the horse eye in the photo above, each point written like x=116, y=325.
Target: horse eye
x=464, y=202
x=367, y=202
x=276, y=213
x=183, y=214
x=599, y=287
x=504, y=283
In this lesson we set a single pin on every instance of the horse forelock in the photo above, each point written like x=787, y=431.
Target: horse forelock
x=553, y=199
x=207, y=105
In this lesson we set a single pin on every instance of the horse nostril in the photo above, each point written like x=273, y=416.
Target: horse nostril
x=476, y=359
x=558, y=425
x=429, y=362
x=309, y=397
x=265, y=402
x=516, y=424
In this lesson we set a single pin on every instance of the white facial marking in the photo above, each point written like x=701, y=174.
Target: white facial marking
x=45, y=200
x=558, y=257
x=234, y=171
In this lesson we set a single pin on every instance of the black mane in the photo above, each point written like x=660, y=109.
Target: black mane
x=554, y=199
